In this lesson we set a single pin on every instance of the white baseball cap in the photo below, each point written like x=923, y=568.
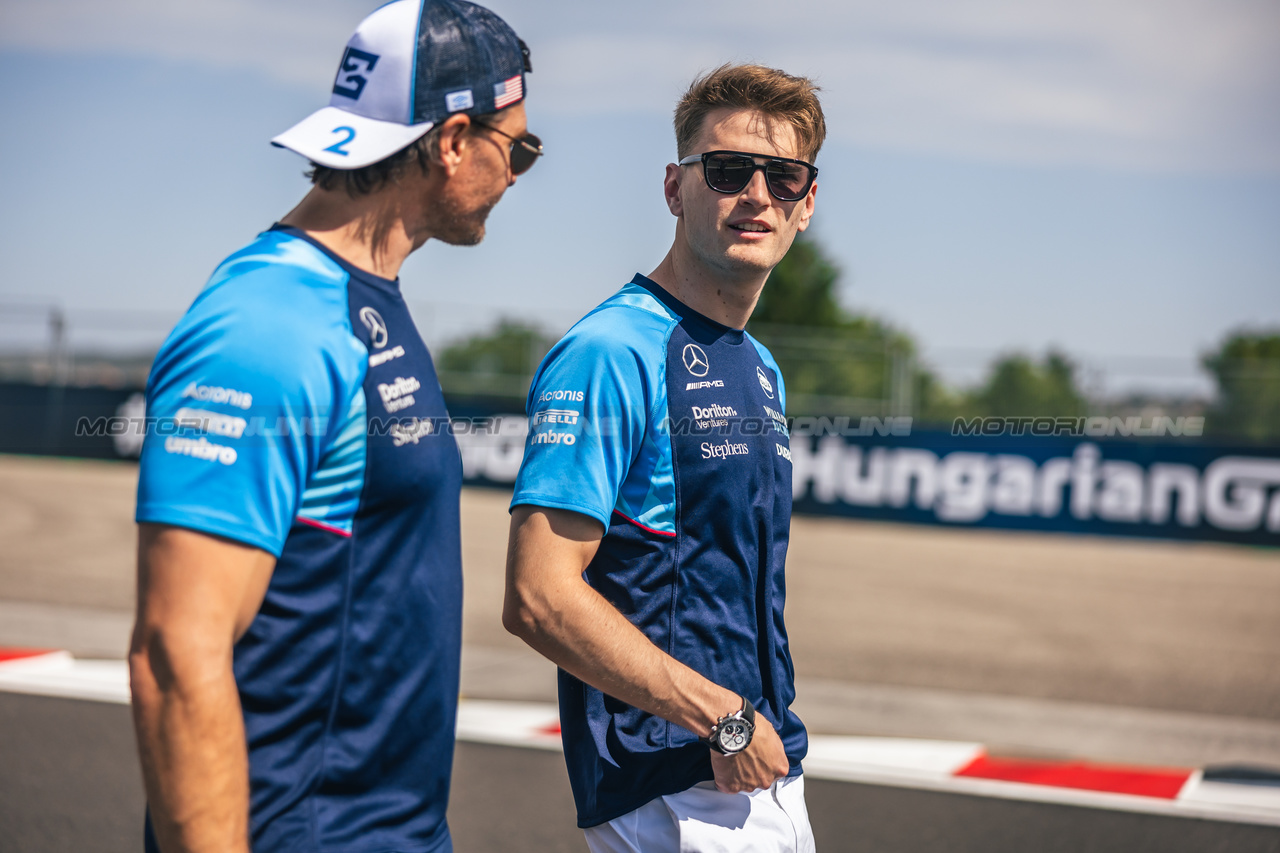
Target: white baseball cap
x=408, y=66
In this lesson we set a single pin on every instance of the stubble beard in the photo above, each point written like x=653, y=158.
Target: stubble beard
x=459, y=226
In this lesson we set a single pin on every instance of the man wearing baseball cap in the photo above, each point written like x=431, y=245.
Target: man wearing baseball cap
x=295, y=658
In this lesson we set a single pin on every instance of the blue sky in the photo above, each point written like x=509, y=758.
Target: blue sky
x=1100, y=177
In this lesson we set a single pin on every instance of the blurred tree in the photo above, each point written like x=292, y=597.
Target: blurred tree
x=830, y=357
x=500, y=362
x=936, y=404
x=1247, y=369
x=834, y=361
x=801, y=290
x=1018, y=386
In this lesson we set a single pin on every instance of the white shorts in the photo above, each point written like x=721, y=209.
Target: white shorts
x=704, y=820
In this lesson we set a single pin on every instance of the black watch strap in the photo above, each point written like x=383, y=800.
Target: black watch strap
x=747, y=714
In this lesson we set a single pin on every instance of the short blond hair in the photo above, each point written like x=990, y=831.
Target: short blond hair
x=753, y=87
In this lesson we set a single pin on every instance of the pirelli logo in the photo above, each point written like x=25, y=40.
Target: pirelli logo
x=556, y=416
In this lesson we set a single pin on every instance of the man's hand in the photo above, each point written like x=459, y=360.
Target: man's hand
x=551, y=607
x=758, y=766
x=196, y=595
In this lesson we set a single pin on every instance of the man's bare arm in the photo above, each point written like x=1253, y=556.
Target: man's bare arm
x=550, y=607
x=197, y=595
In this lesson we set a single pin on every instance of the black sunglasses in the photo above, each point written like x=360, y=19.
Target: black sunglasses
x=730, y=171
x=525, y=150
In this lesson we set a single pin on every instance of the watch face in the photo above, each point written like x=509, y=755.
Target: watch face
x=734, y=736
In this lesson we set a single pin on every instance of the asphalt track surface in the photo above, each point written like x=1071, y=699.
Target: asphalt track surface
x=1173, y=626
x=508, y=799
x=1128, y=625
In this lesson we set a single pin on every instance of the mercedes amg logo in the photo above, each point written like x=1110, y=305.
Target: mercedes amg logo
x=377, y=329
x=695, y=360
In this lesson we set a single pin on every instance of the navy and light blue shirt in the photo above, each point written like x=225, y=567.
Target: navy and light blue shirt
x=296, y=409
x=669, y=429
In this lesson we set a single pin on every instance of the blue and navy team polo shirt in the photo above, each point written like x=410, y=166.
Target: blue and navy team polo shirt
x=297, y=410
x=668, y=428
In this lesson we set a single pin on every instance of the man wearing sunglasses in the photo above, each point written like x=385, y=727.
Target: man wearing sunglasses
x=651, y=514
x=296, y=655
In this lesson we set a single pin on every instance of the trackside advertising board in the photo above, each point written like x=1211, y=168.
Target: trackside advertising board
x=1151, y=487
x=1161, y=487
x=1167, y=486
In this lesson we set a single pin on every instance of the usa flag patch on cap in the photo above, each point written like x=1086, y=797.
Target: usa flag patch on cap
x=508, y=92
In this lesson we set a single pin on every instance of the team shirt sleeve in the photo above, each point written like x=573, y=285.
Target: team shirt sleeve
x=239, y=405
x=588, y=410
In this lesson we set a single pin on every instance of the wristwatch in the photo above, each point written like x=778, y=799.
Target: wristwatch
x=732, y=733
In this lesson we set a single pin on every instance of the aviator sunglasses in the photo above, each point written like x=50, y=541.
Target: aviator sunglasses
x=730, y=171
x=525, y=150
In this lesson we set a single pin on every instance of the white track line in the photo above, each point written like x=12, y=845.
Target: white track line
x=897, y=762
x=531, y=724
x=59, y=674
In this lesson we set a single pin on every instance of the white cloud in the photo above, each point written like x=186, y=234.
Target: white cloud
x=1164, y=84
x=294, y=42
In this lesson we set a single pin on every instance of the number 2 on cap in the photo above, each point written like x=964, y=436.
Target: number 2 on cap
x=336, y=147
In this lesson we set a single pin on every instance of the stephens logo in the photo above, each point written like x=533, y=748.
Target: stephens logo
x=413, y=430
x=723, y=450
x=764, y=381
x=695, y=360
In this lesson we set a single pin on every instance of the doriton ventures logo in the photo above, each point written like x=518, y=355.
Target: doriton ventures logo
x=399, y=394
